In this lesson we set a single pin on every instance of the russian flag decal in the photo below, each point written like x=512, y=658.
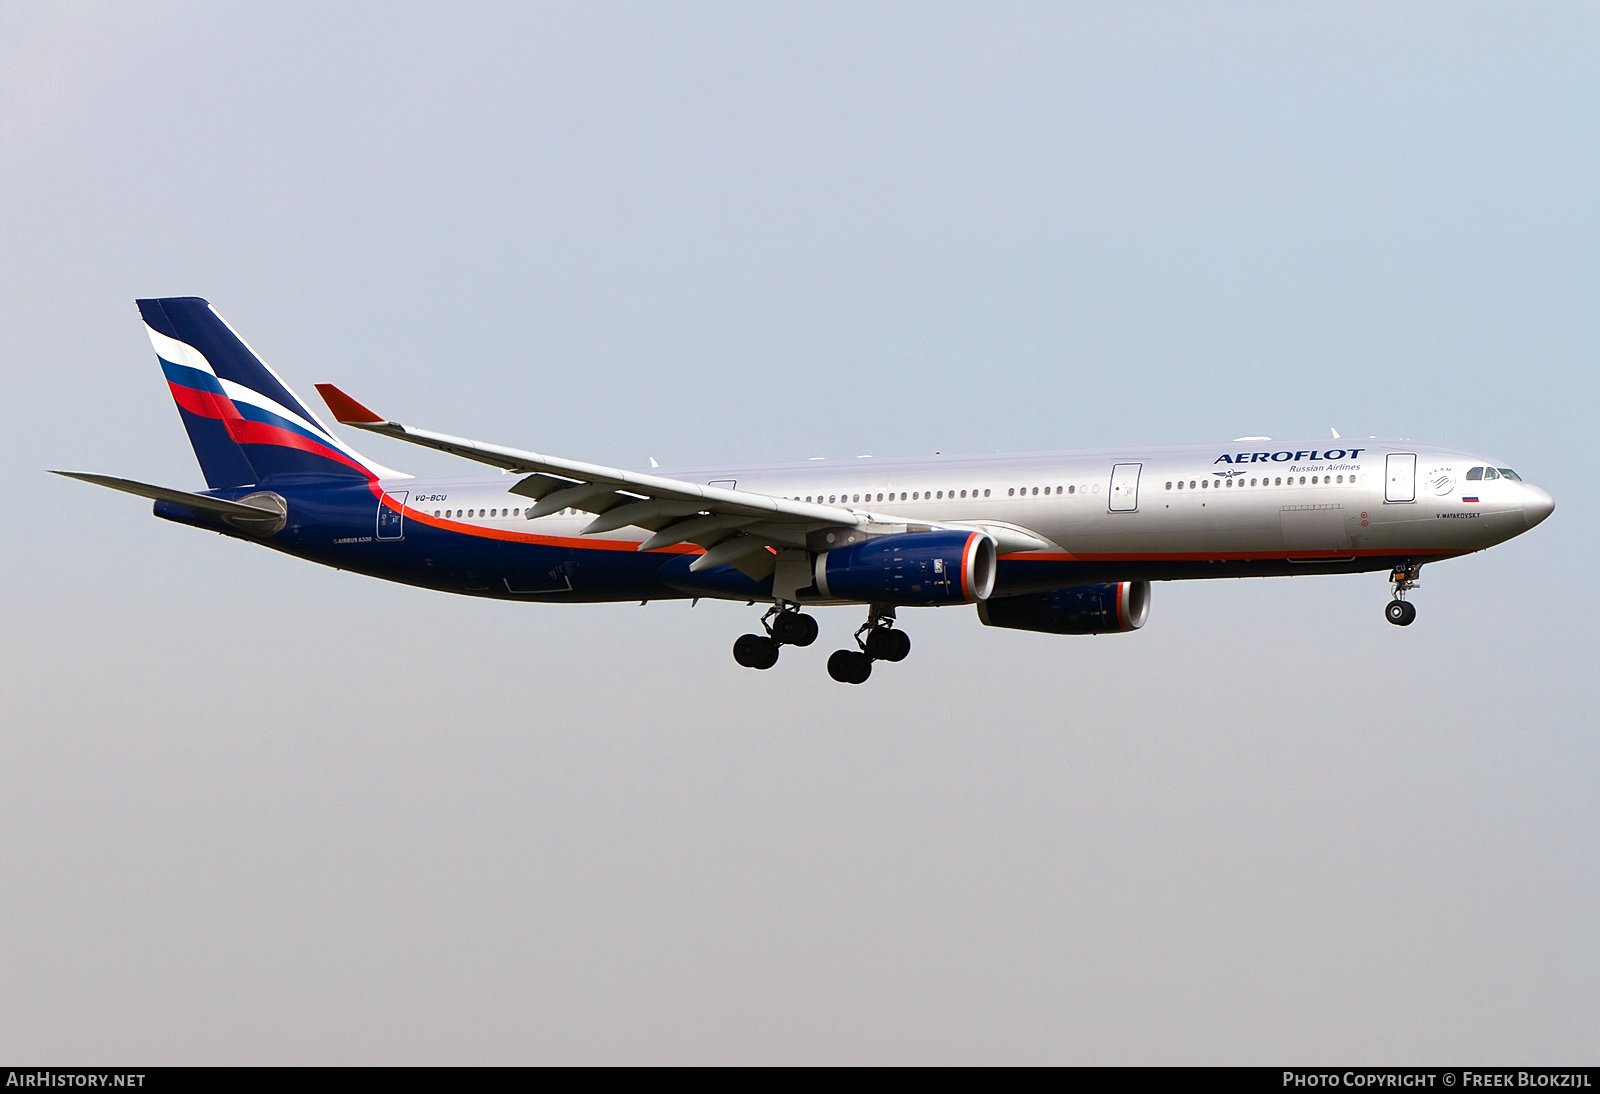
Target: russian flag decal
x=1469, y=499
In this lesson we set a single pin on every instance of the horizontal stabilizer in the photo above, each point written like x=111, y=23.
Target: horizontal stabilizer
x=201, y=502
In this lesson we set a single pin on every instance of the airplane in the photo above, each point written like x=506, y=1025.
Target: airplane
x=1058, y=542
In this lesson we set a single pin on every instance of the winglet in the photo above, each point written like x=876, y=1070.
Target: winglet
x=345, y=409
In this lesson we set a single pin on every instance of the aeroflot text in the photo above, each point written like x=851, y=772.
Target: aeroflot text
x=1285, y=457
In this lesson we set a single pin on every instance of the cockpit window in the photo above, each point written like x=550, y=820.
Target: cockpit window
x=1507, y=473
x=1490, y=473
x=1475, y=474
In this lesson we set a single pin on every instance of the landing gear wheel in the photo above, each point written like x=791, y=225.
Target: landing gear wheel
x=887, y=644
x=794, y=629
x=755, y=651
x=849, y=666
x=1400, y=612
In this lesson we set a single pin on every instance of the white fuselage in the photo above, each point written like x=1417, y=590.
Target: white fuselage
x=1241, y=499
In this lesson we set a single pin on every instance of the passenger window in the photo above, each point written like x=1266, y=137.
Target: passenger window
x=1475, y=474
x=1036, y=490
x=985, y=492
x=1205, y=484
x=1074, y=489
x=1011, y=492
x=1169, y=484
x=1507, y=473
x=941, y=495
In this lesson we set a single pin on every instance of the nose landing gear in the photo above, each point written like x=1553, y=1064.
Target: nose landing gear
x=881, y=643
x=1401, y=612
x=785, y=626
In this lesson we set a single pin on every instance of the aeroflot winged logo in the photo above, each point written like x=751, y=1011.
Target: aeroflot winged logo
x=1286, y=457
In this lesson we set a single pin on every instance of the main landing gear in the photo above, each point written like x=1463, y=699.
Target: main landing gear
x=785, y=626
x=881, y=643
x=1400, y=611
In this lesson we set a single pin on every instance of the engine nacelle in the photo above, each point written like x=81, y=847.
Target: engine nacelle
x=912, y=568
x=1087, y=609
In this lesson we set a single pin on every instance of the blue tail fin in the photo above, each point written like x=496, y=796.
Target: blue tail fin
x=244, y=422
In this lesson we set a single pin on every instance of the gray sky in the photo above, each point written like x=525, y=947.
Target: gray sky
x=256, y=811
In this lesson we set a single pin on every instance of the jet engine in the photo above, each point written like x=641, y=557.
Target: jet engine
x=1086, y=609
x=908, y=569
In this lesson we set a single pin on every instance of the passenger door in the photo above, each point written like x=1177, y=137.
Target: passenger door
x=392, y=521
x=1124, y=497
x=1400, y=477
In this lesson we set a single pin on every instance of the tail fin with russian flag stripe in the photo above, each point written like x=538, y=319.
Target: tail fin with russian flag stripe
x=243, y=421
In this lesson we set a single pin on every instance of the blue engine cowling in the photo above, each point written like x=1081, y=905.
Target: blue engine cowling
x=1087, y=609
x=912, y=568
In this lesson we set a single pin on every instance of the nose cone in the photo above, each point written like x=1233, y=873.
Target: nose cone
x=1536, y=505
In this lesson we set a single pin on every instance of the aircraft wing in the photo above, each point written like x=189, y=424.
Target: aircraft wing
x=738, y=527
